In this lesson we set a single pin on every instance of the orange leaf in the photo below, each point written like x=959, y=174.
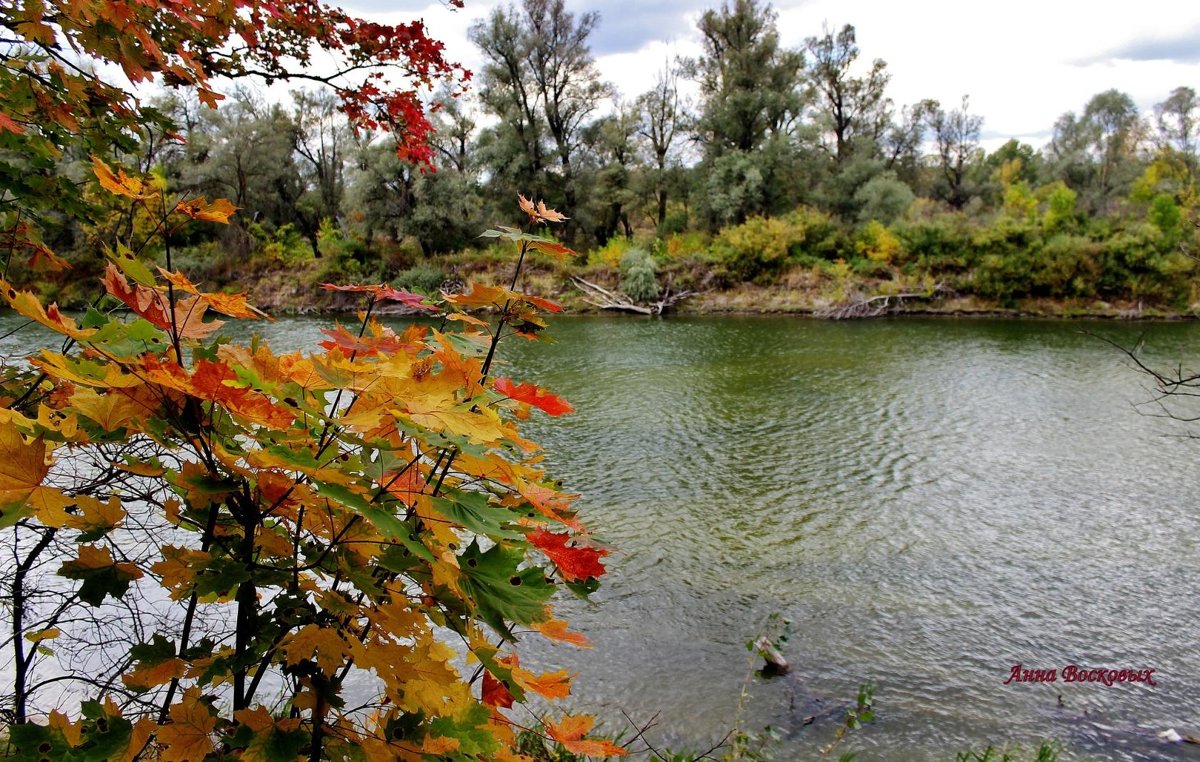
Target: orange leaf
x=30, y=306
x=219, y=210
x=143, y=678
x=556, y=629
x=552, y=685
x=188, y=737
x=8, y=125
x=119, y=183
x=570, y=733
x=552, y=404
x=551, y=503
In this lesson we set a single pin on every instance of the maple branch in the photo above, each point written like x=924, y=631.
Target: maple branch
x=21, y=664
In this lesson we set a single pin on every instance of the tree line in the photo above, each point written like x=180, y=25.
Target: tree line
x=773, y=130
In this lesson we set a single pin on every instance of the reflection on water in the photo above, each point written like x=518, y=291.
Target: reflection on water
x=930, y=503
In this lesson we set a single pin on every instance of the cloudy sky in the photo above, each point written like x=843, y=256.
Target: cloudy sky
x=1022, y=62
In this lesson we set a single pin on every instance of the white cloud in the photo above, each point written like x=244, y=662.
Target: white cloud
x=1022, y=62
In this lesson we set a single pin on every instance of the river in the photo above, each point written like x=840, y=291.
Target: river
x=929, y=502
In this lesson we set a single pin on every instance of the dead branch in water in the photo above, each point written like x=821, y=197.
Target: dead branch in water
x=599, y=296
x=857, y=306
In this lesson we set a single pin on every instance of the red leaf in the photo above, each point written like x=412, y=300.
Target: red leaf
x=386, y=293
x=574, y=562
x=533, y=395
x=495, y=693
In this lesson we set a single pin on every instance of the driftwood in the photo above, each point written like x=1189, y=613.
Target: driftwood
x=599, y=296
x=874, y=306
x=775, y=664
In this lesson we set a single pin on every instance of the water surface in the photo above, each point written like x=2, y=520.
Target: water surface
x=928, y=501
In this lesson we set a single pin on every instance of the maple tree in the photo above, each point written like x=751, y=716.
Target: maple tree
x=233, y=553
x=61, y=93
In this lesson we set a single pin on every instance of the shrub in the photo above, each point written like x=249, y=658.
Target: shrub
x=423, y=277
x=878, y=243
x=638, y=277
x=756, y=248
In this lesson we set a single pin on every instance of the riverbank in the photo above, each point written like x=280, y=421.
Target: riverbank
x=799, y=291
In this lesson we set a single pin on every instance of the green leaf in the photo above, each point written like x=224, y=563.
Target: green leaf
x=128, y=263
x=392, y=526
x=502, y=590
x=475, y=512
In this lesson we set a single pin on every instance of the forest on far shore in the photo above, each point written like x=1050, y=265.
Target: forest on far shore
x=793, y=171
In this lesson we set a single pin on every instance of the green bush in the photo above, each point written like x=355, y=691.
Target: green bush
x=423, y=277
x=638, y=278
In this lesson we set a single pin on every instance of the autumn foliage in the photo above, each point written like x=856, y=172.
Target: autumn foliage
x=227, y=552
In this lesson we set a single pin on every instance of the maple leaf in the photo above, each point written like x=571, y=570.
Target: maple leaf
x=570, y=732
x=111, y=410
x=100, y=574
x=95, y=518
x=538, y=212
x=384, y=292
x=575, y=563
x=145, y=677
x=119, y=184
x=551, y=685
x=494, y=692
x=321, y=644
x=532, y=395
x=188, y=737
x=551, y=503
x=27, y=304
x=556, y=250
x=23, y=465
x=187, y=316
x=8, y=125
x=219, y=210
x=556, y=629
x=480, y=296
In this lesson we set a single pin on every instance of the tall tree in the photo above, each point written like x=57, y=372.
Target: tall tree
x=956, y=136
x=322, y=140
x=1178, y=123
x=660, y=122
x=1112, y=122
x=752, y=99
x=541, y=80
x=853, y=111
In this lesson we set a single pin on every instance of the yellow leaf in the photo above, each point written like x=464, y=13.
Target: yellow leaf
x=178, y=568
x=22, y=465
x=439, y=745
x=50, y=506
x=28, y=304
x=143, y=729
x=321, y=644
x=151, y=675
x=40, y=635
x=71, y=731
x=112, y=411
x=188, y=737
x=95, y=516
x=218, y=210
